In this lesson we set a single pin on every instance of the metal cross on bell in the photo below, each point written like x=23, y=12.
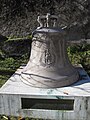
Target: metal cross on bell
x=49, y=66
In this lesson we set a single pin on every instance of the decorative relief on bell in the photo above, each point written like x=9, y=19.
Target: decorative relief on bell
x=47, y=58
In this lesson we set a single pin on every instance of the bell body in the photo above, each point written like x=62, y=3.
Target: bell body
x=49, y=66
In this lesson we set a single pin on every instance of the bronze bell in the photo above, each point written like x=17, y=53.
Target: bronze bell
x=49, y=66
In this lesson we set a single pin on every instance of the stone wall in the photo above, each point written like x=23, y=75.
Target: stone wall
x=18, y=18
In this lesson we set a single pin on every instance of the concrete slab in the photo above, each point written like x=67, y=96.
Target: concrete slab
x=75, y=105
x=15, y=86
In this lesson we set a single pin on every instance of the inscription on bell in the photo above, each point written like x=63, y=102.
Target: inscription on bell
x=47, y=58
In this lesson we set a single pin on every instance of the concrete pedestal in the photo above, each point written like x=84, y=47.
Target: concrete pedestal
x=65, y=103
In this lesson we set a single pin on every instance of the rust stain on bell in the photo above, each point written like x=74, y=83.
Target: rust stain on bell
x=49, y=66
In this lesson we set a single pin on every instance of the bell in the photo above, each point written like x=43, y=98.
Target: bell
x=49, y=66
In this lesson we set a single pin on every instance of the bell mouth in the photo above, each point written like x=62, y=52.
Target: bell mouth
x=50, y=80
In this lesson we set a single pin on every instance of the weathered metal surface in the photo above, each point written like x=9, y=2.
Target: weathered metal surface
x=49, y=66
x=14, y=90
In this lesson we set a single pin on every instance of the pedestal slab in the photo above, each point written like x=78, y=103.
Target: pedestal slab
x=67, y=103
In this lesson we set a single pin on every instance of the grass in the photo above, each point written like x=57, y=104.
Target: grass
x=7, y=67
x=16, y=39
x=3, y=79
x=80, y=54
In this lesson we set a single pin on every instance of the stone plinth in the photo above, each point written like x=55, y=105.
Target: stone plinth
x=66, y=103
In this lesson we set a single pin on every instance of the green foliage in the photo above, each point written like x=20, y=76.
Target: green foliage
x=11, y=63
x=8, y=66
x=3, y=79
x=29, y=37
x=80, y=54
x=14, y=38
